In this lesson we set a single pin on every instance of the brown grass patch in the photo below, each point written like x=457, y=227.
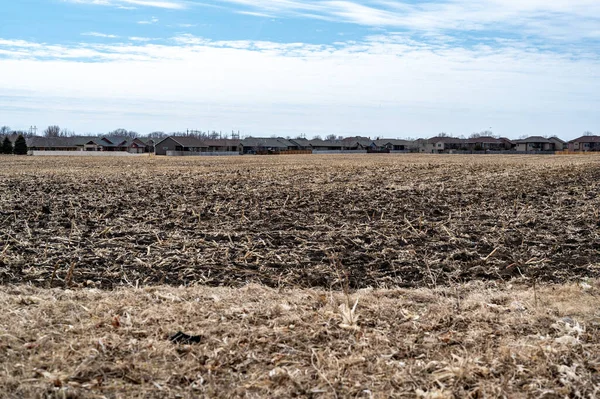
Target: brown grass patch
x=473, y=340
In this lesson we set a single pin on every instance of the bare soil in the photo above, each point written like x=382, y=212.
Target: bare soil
x=298, y=221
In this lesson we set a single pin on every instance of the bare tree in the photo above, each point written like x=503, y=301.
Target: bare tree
x=123, y=133
x=317, y=137
x=4, y=130
x=157, y=135
x=330, y=137
x=443, y=134
x=52, y=131
x=67, y=133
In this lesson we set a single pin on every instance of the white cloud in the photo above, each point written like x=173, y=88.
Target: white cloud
x=127, y=4
x=255, y=14
x=98, y=34
x=153, y=20
x=140, y=39
x=558, y=19
x=384, y=85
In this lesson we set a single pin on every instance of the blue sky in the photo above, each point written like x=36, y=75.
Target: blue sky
x=287, y=67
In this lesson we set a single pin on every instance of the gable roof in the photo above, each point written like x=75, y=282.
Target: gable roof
x=382, y=142
x=302, y=142
x=184, y=141
x=74, y=141
x=533, y=139
x=485, y=139
x=586, y=139
x=325, y=143
x=221, y=142
x=363, y=141
x=267, y=142
x=445, y=139
x=114, y=141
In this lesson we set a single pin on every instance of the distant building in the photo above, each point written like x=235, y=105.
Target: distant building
x=394, y=144
x=536, y=144
x=60, y=143
x=325, y=145
x=443, y=144
x=358, y=143
x=488, y=143
x=585, y=143
x=258, y=145
x=181, y=144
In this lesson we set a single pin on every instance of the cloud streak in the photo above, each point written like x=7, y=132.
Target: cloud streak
x=559, y=19
x=131, y=4
x=151, y=21
x=98, y=34
x=385, y=84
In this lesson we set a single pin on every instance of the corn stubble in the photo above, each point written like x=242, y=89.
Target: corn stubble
x=362, y=276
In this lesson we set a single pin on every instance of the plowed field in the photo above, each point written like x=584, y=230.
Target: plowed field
x=301, y=221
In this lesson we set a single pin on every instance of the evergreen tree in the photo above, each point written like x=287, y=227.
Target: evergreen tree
x=7, y=147
x=20, y=145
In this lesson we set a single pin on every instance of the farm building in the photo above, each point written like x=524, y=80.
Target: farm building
x=535, y=144
x=585, y=143
x=182, y=145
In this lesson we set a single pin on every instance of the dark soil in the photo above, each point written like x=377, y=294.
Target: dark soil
x=307, y=221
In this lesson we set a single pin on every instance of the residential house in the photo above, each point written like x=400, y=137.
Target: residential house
x=301, y=144
x=325, y=145
x=443, y=144
x=394, y=144
x=357, y=143
x=149, y=143
x=75, y=143
x=257, y=145
x=488, y=143
x=184, y=145
x=535, y=144
x=118, y=143
x=559, y=145
x=585, y=143
x=222, y=145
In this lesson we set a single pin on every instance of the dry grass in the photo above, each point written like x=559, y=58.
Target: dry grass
x=473, y=340
x=271, y=260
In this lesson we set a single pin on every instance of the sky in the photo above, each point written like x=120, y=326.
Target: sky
x=377, y=68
